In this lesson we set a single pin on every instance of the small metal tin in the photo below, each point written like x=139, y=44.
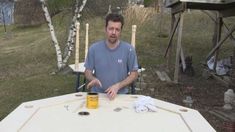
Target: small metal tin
x=92, y=101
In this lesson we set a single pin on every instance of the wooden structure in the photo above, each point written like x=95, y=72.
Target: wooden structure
x=223, y=9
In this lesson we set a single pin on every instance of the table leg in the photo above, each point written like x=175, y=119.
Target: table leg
x=133, y=88
x=84, y=82
x=78, y=82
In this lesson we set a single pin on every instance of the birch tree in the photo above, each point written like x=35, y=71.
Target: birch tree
x=63, y=59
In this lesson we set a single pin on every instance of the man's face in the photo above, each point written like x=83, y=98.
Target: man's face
x=113, y=31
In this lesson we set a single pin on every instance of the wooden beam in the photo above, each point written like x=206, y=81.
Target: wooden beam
x=161, y=77
x=219, y=24
x=172, y=35
x=169, y=48
x=182, y=58
x=231, y=35
x=226, y=29
x=176, y=73
x=179, y=7
x=166, y=76
x=220, y=43
x=227, y=12
x=233, y=65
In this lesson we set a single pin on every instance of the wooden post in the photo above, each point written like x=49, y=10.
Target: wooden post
x=156, y=6
x=219, y=24
x=214, y=39
x=233, y=66
x=77, y=47
x=182, y=58
x=86, y=40
x=133, y=35
x=176, y=73
x=168, y=52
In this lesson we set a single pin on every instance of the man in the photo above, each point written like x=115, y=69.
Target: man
x=113, y=61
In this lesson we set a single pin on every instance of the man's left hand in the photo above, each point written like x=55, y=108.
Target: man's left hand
x=112, y=91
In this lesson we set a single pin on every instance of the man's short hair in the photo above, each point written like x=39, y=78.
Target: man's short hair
x=115, y=18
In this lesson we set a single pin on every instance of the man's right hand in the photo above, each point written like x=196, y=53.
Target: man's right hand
x=94, y=82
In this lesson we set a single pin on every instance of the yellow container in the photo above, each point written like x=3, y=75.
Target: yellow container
x=92, y=100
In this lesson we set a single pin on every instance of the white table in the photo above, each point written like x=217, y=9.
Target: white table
x=80, y=71
x=60, y=114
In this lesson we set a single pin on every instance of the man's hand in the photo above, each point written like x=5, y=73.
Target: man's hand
x=112, y=91
x=94, y=82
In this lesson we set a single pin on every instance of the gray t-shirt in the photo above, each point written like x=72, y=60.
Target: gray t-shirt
x=111, y=65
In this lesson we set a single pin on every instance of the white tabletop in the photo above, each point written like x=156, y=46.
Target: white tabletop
x=82, y=68
x=60, y=114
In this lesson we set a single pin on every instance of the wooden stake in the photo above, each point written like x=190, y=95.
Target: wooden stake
x=86, y=40
x=77, y=47
x=133, y=35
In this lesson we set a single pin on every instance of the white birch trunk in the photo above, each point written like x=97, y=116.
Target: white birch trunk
x=71, y=37
x=72, y=33
x=53, y=36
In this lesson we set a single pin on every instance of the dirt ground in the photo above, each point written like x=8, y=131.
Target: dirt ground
x=207, y=94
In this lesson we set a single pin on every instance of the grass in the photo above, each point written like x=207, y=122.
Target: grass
x=27, y=56
x=27, y=59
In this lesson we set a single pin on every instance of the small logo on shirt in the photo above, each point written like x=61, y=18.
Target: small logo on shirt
x=119, y=60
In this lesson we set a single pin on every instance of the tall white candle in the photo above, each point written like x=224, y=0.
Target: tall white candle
x=77, y=47
x=86, y=40
x=133, y=35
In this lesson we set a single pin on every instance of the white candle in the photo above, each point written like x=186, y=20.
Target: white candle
x=133, y=35
x=86, y=40
x=77, y=47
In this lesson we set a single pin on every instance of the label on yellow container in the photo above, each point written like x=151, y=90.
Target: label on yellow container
x=92, y=100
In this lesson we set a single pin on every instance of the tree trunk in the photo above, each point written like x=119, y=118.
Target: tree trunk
x=71, y=37
x=72, y=33
x=60, y=64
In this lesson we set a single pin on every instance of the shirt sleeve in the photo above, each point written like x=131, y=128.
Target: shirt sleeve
x=89, y=62
x=132, y=60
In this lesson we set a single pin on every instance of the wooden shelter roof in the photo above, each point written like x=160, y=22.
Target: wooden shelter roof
x=202, y=4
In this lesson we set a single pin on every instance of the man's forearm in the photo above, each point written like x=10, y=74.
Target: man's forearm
x=132, y=77
x=89, y=75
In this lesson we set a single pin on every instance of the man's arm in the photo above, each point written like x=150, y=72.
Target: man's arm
x=113, y=90
x=131, y=78
x=93, y=81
